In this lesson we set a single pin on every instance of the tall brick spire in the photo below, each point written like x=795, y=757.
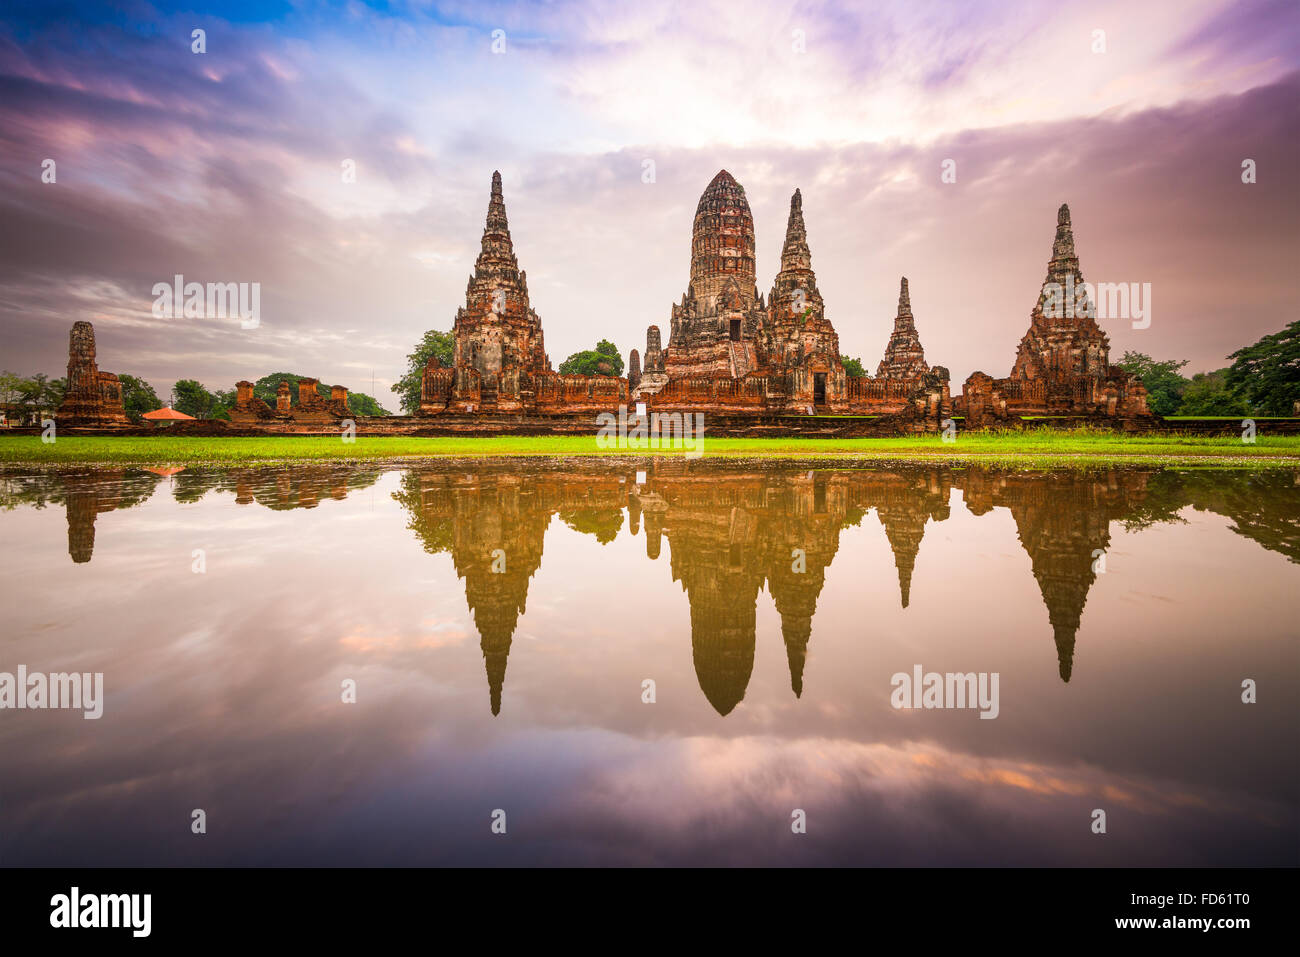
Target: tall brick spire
x=1063, y=339
x=497, y=256
x=1064, y=261
x=904, y=319
x=794, y=292
x=633, y=369
x=722, y=240
x=1063, y=267
x=795, y=255
x=904, y=357
x=91, y=397
x=497, y=331
x=712, y=329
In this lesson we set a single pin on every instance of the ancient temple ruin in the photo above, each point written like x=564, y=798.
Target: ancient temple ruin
x=92, y=398
x=904, y=357
x=500, y=363
x=654, y=375
x=751, y=361
x=733, y=351
x=714, y=328
x=1063, y=365
x=311, y=410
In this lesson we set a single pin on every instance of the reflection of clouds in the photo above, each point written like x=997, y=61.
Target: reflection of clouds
x=438, y=635
x=721, y=771
x=894, y=804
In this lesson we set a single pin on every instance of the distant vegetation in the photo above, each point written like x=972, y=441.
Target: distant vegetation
x=138, y=397
x=26, y=399
x=1263, y=379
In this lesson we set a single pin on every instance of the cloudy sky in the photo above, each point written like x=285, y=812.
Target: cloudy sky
x=226, y=166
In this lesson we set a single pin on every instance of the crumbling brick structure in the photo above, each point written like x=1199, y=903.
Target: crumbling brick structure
x=904, y=358
x=731, y=351
x=500, y=363
x=92, y=398
x=312, y=409
x=652, y=376
x=1063, y=365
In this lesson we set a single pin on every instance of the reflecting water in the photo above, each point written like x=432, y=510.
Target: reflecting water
x=1122, y=610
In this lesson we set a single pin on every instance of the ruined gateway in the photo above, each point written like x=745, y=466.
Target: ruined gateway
x=750, y=362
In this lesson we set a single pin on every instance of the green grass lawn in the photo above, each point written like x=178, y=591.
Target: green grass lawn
x=1034, y=449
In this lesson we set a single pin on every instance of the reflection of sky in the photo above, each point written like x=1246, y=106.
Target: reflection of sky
x=223, y=693
x=226, y=166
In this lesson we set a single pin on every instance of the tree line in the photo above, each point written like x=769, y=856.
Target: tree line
x=26, y=400
x=1262, y=379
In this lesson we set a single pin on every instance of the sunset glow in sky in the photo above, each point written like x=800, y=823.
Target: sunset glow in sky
x=224, y=166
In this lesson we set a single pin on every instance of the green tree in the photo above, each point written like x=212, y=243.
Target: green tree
x=265, y=387
x=363, y=404
x=222, y=401
x=602, y=360
x=28, y=399
x=13, y=391
x=408, y=387
x=138, y=397
x=853, y=367
x=193, y=399
x=1208, y=394
x=54, y=391
x=12, y=388
x=1161, y=378
x=44, y=394
x=1267, y=374
x=604, y=524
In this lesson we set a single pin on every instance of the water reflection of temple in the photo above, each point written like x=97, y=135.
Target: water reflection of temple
x=493, y=525
x=1064, y=526
x=730, y=533
x=730, y=536
x=493, y=528
x=88, y=494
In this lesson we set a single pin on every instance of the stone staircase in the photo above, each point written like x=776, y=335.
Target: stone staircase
x=739, y=360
